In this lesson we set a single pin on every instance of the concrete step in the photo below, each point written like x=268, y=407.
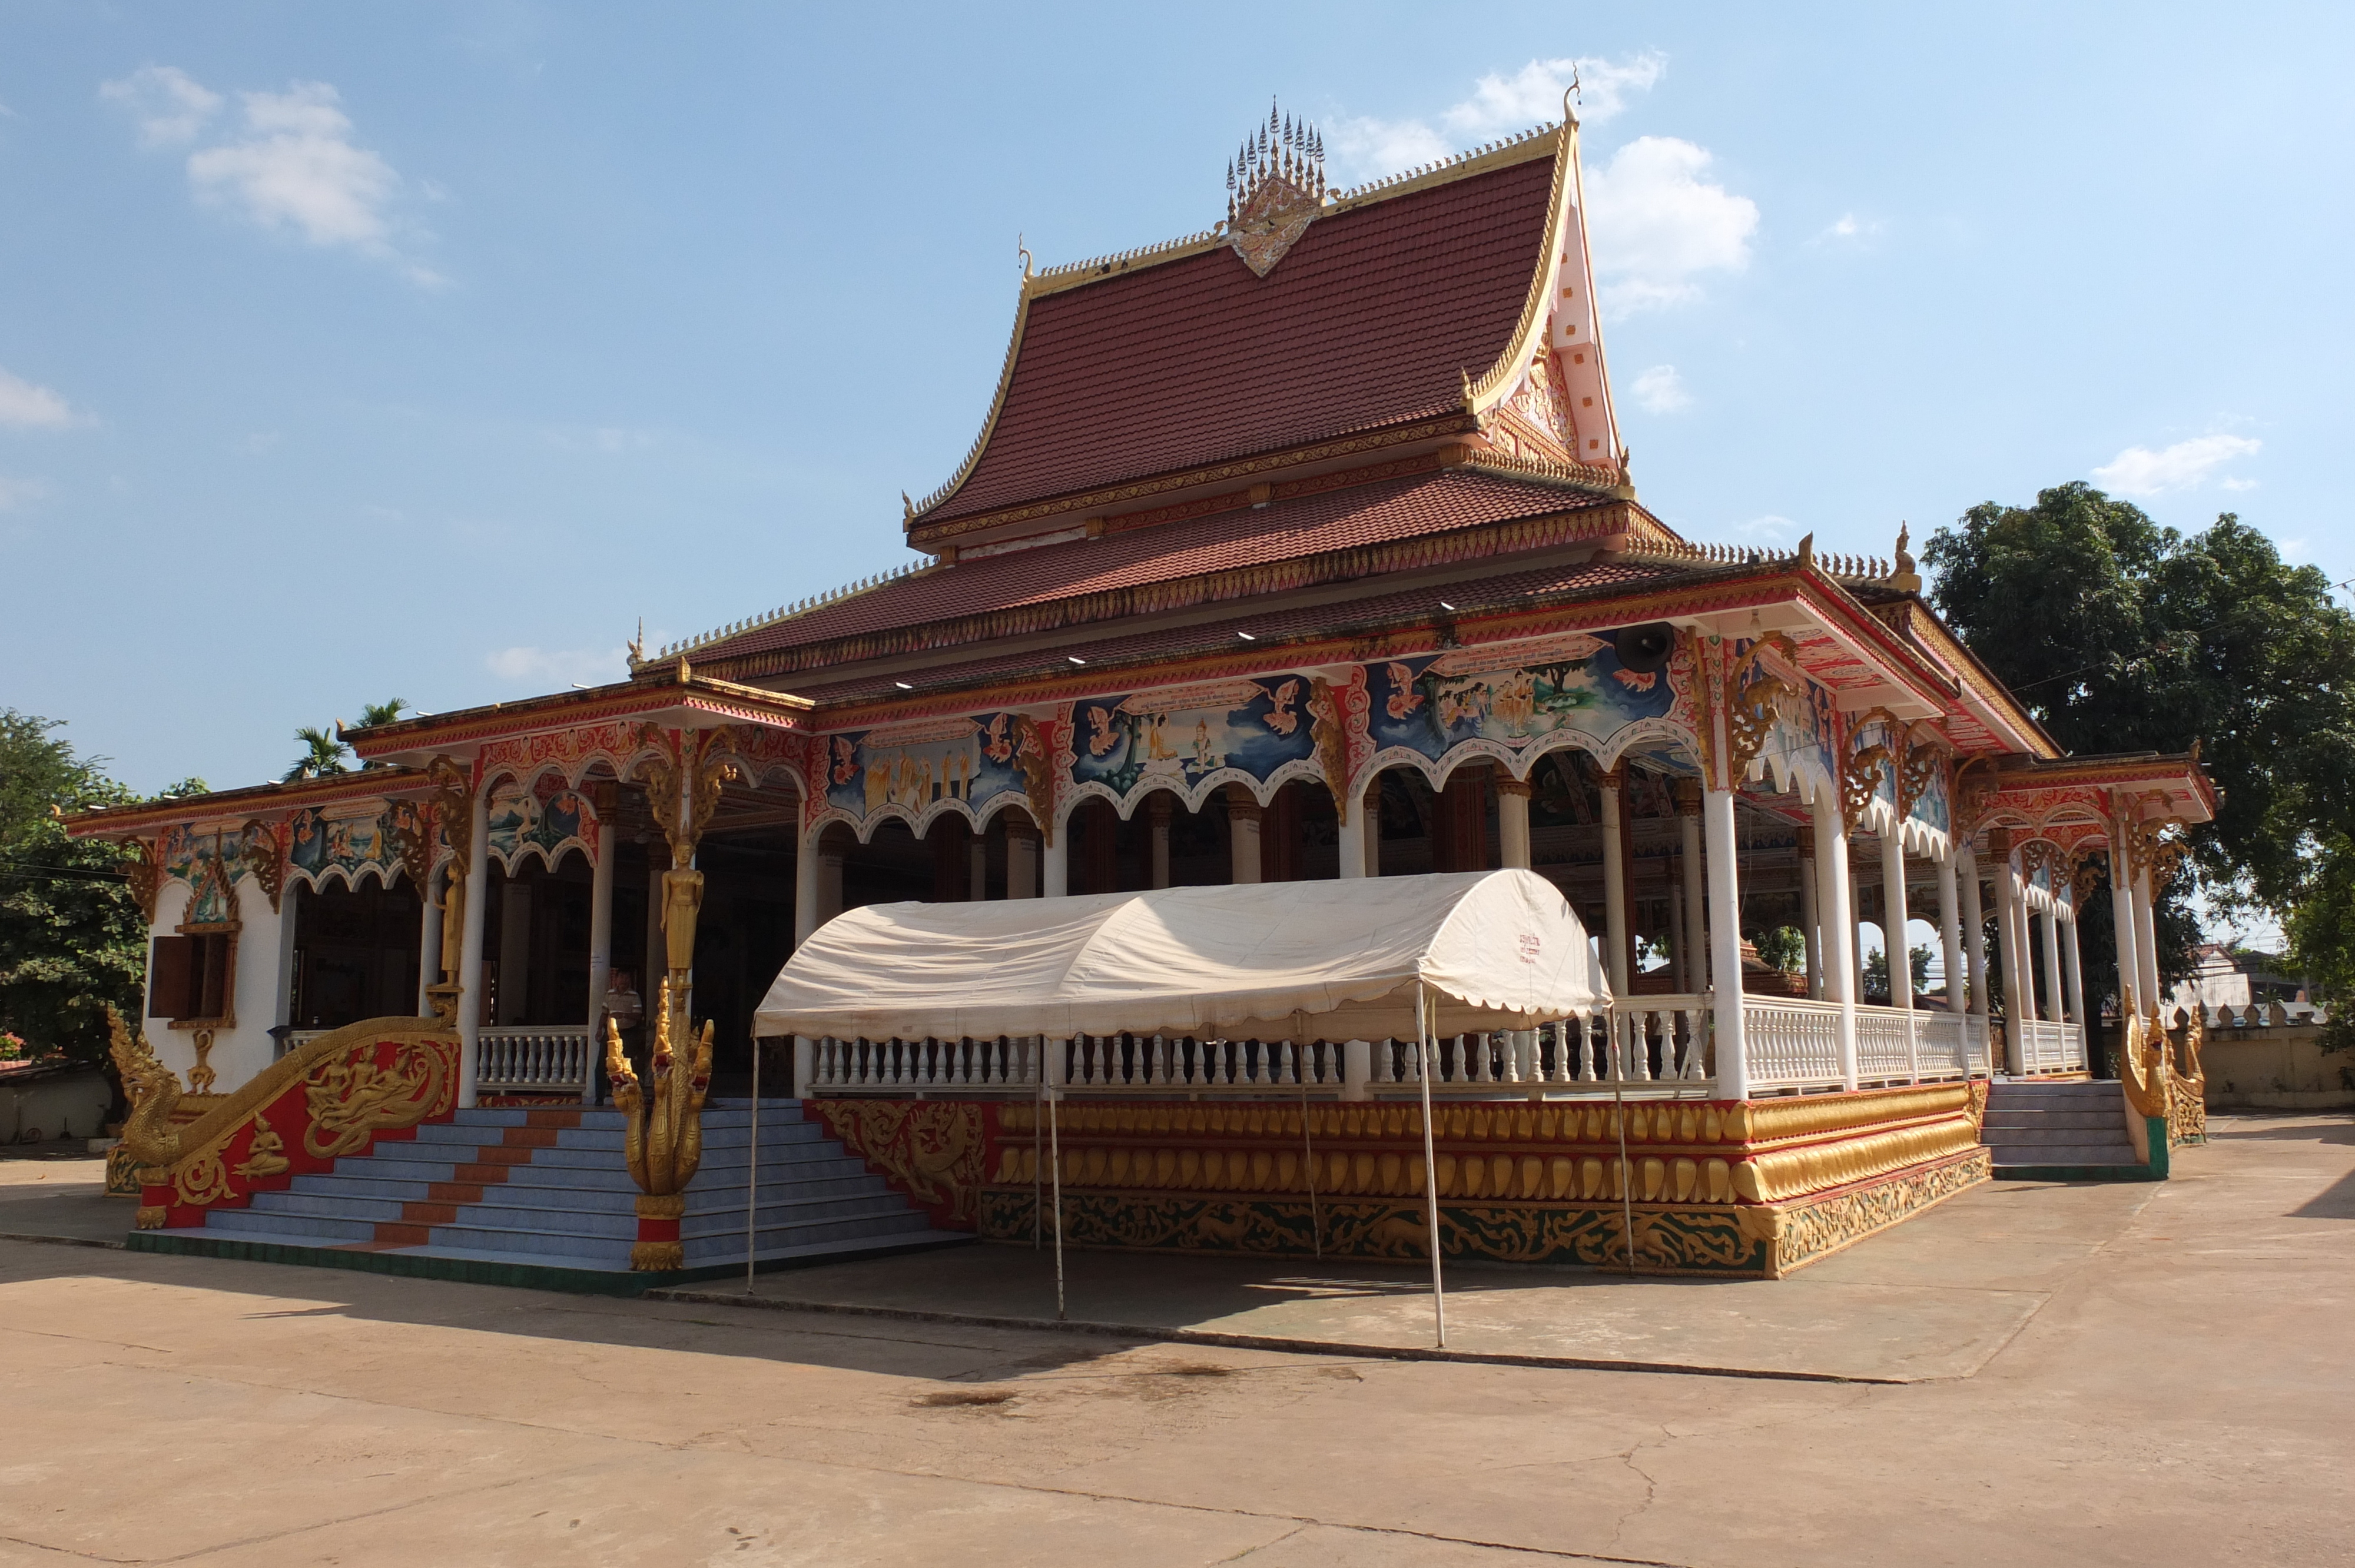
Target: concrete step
x=1999, y=1136
x=2117, y=1154
x=260, y=1225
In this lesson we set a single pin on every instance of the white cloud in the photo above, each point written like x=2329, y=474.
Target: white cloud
x=2138, y=470
x=27, y=406
x=1660, y=390
x=2239, y=483
x=297, y=166
x=1848, y=226
x=170, y=105
x=1366, y=147
x=291, y=165
x=1658, y=224
x=554, y=666
x=1769, y=527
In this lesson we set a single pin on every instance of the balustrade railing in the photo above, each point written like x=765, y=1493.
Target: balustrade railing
x=1647, y=1044
x=547, y=1059
x=2048, y=1047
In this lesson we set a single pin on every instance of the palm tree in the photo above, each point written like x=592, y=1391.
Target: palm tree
x=373, y=714
x=325, y=755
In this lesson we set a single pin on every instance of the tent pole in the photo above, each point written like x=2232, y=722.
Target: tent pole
x=1055, y=1155
x=1037, y=1192
x=753, y=1172
x=1430, y=1161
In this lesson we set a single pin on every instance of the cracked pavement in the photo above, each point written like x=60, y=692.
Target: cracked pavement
x=2178, y=1393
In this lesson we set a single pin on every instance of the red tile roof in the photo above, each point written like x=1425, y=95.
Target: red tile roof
x=1385, y=511
x=1371, y=319
x=1276, y=628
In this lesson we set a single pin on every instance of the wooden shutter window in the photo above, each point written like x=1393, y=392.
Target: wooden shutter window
x=168, y=977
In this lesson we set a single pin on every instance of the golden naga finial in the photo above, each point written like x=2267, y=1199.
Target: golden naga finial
x=662, y=1141
x=1905, y=579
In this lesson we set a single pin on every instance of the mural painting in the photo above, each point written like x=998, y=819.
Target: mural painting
x=352, y=838
x=913, y=764
x=1935, y=805
x=1182, y=737
x=1803, y=735
x=548, y=819
x=1574, y=683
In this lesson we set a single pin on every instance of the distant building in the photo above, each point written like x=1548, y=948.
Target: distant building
x=2237, y=979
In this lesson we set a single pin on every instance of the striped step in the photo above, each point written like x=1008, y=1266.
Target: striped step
x=2057, y=1127
x=548, y=1187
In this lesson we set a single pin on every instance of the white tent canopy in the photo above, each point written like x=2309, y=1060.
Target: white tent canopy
x=1302, y=961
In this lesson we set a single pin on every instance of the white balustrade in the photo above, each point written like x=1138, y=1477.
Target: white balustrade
x=2048, y=1047
x=550, y=1059
x=1792, y=1043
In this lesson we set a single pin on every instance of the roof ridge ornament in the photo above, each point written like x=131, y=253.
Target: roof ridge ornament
x=1275, y=189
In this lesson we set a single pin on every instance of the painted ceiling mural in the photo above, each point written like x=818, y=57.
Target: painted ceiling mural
x=546, y=819
x=911, y=765
x=351, y=840
x=1572, y=684
x=1180, y=737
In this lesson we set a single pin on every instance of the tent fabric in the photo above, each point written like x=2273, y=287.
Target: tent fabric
x=1302, y=961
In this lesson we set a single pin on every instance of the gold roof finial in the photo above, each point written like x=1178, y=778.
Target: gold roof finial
x=1905, y=579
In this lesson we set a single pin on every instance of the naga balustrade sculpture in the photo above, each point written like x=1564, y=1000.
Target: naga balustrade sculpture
x=663, y=1130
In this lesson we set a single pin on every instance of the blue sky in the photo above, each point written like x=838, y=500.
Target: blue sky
x=358, y=351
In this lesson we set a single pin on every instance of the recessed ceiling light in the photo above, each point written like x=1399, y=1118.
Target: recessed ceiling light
x=1075, y=658
x=903, y=685
x=1246, y=636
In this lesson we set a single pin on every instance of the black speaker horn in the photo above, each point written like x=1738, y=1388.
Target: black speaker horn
x=1645, y=650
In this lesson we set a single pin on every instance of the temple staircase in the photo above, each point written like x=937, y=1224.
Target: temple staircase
x=513, y=1194
x=2060, y=1132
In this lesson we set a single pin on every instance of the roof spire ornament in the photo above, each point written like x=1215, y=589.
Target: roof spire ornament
x=1905, y=579
x=1275, y=189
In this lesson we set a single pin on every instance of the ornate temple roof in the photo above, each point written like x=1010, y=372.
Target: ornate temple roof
x=1376, y=318
x=1339, y=514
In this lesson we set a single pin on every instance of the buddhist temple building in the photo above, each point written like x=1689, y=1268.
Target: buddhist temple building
x=1305, y=547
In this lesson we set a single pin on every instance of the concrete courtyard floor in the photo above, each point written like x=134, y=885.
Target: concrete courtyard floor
x=2130, y=1375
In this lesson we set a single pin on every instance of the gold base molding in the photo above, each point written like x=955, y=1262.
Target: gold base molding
x=1722, y=1240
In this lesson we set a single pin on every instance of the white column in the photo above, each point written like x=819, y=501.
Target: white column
x=1614, y=887
x=1856, y=933
x=1055, y=861
x=1157, y=810
x=2122, y=919
x=1242, y=833
x=1513, y=821
x=429, y=945
x=1021, y=859
x=1950, y=934
x=2145, y=944
x=1697, y=970
x=977, y=856
x=600, y=953
x=1810, y=925
x=1351, y=843
x=1725, y=936
x=282, y=1006
x=1893, y=917
x=470, y=945
x=1832, y=888
x=805, y=897
x=2051, y=933
x=2072, y=971
x=1680, y=958
x=1974, y=928
x=1370, y=826
x=2007, y=918
x=2023, y=933
x=829, y=884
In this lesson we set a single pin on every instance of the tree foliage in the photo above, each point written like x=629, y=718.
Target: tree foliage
x=72, y=938
x=2121, y=635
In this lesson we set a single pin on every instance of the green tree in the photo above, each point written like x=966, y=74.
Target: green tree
x=2121, y=635
x=322, y=755
x=71, y=939
x=1876, y=972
